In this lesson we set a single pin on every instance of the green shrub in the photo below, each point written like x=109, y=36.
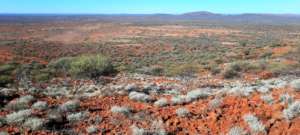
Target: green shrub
x=230, y=73
x=91, y=66
x=7, y=68
x=279, y=68
x=267, y=54
x=42, y=77
x=155, y=70
x=82, y=66
x=213, y=68
x=234, y=69
x=183, y=70
x=5, y=79
x=6, y=73
x=61, y=65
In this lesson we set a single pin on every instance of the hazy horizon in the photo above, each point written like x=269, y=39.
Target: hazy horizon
x=149, y=7
x=149, y=13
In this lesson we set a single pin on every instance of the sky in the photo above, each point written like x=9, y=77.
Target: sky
x=149, y=6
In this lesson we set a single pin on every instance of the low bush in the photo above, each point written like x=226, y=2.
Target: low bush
x=292, y=111
x=157, y=128
x=295, y=85
x=161, y=102
x=18, y=117
x=255, y=125
x=121, y=109
x=215, y=69
x=92, y=129
x=61, y=65
x=40, y=105
x=6, y=73
x=267, y=99
x=138, y=96
x=34, y=123
x=3, y=133
x=55, y=116
x=91, y=66
x=71, y=105
x=6, y=79
x=215, y=103
x=20, y=103
x=286, y=98
x=279, y=68
x=42, y=77
x=137, y=131
x=83, y=66
x=197, y=94
x=236, y=131
x=154, y=70
x=185, y=70
x=235, y=69
x=230, y=73
x=182, y=112
x=2, y=121
x=74, y=117
x=178, y=100
x=8, y=68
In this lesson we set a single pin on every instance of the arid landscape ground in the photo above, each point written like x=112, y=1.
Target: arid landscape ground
x=111, y=77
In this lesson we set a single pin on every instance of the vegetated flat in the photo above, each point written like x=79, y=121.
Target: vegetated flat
x=158, y=74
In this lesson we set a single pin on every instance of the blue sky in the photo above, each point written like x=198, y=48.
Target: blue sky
x=149, y=6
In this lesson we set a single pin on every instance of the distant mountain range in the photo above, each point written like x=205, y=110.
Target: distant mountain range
x=202, y=16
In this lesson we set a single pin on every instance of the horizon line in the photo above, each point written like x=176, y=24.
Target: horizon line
x=242, y=13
